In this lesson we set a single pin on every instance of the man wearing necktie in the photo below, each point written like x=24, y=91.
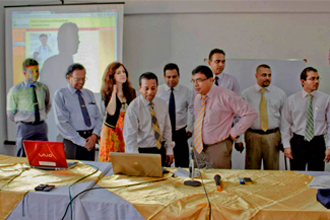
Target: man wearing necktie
x=28, y=104
x=305, y=125
x=147, y=127
x=263, y=138
x=214, y=111
x=77, y=116
x=178, y=98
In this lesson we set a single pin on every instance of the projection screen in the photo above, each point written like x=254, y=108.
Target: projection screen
x=57, y=36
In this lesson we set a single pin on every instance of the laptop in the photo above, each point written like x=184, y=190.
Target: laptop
x=134, y=164
x=46, y=155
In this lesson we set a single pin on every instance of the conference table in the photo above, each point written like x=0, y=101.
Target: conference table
x=273, y=194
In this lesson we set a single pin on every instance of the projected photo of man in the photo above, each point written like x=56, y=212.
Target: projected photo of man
x=44, y=51
x=54, y=68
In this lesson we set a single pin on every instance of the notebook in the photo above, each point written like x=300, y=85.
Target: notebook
x=46, y=155
x=134, y=164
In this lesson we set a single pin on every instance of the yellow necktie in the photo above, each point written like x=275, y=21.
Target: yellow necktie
x=263, y=111
x=155, y=126
x=198, y=141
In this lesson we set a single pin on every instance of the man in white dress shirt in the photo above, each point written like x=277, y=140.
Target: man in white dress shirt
x=147, y=127
x=178, y=98
x=263, y=138
x=305, y=125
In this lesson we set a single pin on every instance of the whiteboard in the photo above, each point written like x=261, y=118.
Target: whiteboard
x=285, y=73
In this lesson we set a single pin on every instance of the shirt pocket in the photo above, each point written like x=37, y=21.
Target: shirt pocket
x=274, y=107
x=92, y=109
x=319, y=114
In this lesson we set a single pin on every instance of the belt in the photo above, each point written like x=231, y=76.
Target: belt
x=32, y=123
x=270, y=131
x=302, y=137
x=85, y=134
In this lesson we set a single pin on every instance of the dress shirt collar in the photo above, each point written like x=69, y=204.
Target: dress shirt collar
x=145, y=102
x=258, y=88
x=212, y=91
x=304, y=93
x=219, y=76
x=27, y=84
x=176, y=88
x=71, y=89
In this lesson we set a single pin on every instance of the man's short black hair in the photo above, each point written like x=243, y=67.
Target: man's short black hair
x=148, y=75
x=216, y=50
x=305, y=71
x=204, y=70
x=263, y=66
x=171, y=66
x=73, y=67
x=29, y=62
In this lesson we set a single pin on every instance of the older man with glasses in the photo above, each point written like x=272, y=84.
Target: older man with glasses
x=214, y=110
x=305, y=125
x=77, y=116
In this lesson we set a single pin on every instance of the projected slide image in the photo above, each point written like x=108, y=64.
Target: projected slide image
x=41, y=45
x=56, y=40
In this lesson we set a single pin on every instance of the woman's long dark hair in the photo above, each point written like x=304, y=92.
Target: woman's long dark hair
x=109, y=82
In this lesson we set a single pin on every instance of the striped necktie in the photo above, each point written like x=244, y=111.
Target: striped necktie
x=263, y=111
x=309, y=130
x=198, y=141
x=155, y=126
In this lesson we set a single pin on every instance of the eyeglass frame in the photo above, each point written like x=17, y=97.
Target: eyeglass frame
x=198, y=81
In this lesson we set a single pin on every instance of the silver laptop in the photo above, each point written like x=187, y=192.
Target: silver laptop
x=133, y=164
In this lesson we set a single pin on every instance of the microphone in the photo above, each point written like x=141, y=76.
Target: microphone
x=217, y=179
x=192, y=182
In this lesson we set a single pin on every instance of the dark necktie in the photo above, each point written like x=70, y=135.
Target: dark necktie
x=216, y=80
x=83, y=108
x=171, y=109
x=35, y=104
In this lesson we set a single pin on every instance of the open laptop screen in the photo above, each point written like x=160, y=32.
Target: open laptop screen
x=45, y=154
x=135, y=164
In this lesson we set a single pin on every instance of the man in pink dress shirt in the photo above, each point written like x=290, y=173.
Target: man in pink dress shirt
x=217, y=133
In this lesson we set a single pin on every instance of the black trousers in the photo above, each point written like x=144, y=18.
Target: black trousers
x=77, y=152
x=181, y=149
x=307, y=153
x=155, y=150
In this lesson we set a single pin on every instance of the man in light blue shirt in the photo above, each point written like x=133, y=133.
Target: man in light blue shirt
x=77, y=116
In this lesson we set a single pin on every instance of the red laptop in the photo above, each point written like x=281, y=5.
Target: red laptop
x=46, y=155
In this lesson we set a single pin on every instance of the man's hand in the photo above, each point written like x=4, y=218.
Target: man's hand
x=327, y=155
x=239, y=147
x=233, y=138
x=169, y=160
x=288, y=153
x=90, y=142
x=189, y=134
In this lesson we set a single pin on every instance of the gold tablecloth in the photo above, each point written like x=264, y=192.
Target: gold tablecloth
x=273, y=195
x=17, y=179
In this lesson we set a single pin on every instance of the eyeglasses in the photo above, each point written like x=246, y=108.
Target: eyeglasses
x=80, y=79
x=314, y=78
x=199, y=81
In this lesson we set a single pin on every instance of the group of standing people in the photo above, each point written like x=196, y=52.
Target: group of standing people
x=163, y=117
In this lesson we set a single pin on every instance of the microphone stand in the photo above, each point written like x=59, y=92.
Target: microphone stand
x=192, y=182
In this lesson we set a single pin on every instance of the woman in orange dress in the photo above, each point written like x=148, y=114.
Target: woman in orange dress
x=117, y=94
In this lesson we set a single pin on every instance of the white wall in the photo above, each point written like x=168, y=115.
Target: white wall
x=158, y=32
